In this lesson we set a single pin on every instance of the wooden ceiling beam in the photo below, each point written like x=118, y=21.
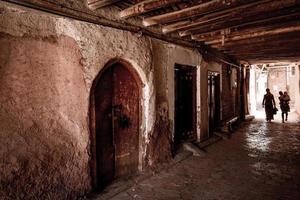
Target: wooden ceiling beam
x=266, y=61
x=243, y=49
x=264, y=55
x=145, y=6
x=271, y=58
x=201, y=9
x=252, y=27
x=282, y=30
x=234, y=33
x=96, y=4
x=258, y=50
x=257, y=13
x=184, y=25
x=263, y=41
x=209, y=18
x=285, y=48
x=275, y=56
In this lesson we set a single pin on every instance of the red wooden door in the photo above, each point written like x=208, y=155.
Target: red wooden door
x=104, y=133
x=126, y=124
x=117, y=124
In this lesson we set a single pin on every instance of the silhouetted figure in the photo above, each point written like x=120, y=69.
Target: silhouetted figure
x=284, y=99
x=269, y=105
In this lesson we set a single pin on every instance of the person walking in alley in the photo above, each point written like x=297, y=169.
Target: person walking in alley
x=284, y=105
x=269, y=105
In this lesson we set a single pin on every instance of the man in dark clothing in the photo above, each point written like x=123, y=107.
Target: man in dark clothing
x=269, y=105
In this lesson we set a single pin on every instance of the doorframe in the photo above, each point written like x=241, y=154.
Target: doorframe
x=194, y=93
x=92, y=116
x=220, y=100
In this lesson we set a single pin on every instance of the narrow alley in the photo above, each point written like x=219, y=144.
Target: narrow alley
x=262, y=161
x=149, y=99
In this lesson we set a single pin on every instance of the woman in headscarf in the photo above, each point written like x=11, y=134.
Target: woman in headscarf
x=284, y=105
x=269, y=105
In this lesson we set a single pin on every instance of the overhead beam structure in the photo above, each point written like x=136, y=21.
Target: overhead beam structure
x=257, y=12
x=245, y=30
x=201, y=9
x=254, y=26
x=209, y=18
x=96, y=4
x=241, y=36
x=146, y=6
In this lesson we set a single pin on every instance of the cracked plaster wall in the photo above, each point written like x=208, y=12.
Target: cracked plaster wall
x=165, y=57
x=47, y=68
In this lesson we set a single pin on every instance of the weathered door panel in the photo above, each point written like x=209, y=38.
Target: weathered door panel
x=210, y=104
x=217, y=95
x=116, y=99
x=104, y=132
x=213, y=101
x=126, y=121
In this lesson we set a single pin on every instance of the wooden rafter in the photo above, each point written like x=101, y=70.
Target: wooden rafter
x=184, y=25
x=146, y=6
x=241, y=36
x=209, y=18
x=259, y=41
x=252, y=30
x=95, y=4
x=250, y=27
x=258, y=12
x=204, y=8
x=277, y=46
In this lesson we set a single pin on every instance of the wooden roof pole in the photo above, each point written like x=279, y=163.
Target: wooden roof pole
x=188, y=24
x=207, y=18
x=95, y=4
x=258, y=34
x=251, y=27
x=272, y=9
x=197, y=10
x=290, y=45
x=145, y=6
x=263, y=41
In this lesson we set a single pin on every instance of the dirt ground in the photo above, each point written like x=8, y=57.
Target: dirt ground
x=260, y=161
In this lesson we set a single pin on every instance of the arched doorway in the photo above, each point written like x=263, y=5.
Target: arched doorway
x=115, y=111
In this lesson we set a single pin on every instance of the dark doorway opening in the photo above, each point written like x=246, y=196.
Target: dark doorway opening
x=115, y=107
x=214, y=109
x=185, y=104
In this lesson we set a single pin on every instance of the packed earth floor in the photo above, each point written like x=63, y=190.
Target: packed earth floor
x=260, y=161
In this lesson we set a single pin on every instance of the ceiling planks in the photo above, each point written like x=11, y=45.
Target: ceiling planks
x=285, y=28
x=193, y=11
x=95, y=4
x=145, y=6
x=248, y=30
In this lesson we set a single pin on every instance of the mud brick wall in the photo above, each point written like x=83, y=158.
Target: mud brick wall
x=228, y=95
x=47, y=67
